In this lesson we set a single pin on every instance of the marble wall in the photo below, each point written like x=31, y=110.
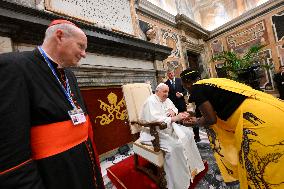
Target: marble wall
x=98, y=70
x=250, y=35
x=110, y=14
x=182, y=42
x=168, y=36
x=267, y=30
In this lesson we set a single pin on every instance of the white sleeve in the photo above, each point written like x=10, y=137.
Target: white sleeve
x=152, y=111
x=170, y=105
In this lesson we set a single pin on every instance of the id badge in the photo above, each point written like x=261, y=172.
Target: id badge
x=77, y=116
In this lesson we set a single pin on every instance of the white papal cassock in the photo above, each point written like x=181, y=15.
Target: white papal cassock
x=182, y=158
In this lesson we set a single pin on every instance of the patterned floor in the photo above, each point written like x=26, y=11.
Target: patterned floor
x=212, y=180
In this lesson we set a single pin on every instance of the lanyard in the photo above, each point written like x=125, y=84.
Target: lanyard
x=66, y=92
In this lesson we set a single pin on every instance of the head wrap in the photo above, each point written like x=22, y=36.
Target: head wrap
x=189, y=75
x=60, y=21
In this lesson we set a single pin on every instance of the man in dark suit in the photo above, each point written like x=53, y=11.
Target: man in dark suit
x=176, y=95
x=279, y=81
x=176, y=91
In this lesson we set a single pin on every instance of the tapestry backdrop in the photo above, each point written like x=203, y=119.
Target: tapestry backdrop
x=107, y=111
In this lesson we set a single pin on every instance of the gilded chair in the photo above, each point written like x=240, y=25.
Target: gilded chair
x=135, y=95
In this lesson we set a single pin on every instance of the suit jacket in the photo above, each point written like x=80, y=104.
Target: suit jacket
x=178, y=102
x=279, y=79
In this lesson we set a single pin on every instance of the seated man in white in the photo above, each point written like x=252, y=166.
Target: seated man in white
x=182, y=158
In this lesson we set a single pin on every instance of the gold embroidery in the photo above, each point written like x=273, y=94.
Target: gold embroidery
x=114, y=109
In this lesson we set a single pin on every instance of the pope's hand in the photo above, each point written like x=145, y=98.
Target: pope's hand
x=170, y=113
x=181, y=116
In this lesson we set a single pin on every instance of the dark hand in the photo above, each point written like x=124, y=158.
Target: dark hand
x=190, y=121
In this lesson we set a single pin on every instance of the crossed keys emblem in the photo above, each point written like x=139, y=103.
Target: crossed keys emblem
x=113, y=110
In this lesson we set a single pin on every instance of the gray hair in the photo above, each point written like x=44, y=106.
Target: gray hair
x=160, y=86
x=67, y=28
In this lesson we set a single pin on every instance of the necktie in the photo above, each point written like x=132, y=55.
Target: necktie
x=173, y=84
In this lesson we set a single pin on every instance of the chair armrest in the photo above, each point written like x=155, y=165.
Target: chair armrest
x=153, y=131
x=161, y=125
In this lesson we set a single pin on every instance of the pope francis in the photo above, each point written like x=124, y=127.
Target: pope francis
x=182, y=158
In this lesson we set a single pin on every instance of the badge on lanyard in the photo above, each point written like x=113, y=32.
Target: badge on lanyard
x=77, y=116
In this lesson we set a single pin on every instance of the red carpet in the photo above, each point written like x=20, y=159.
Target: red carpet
x=124, y=176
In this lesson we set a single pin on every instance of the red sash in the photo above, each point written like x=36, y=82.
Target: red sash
x=51, y=139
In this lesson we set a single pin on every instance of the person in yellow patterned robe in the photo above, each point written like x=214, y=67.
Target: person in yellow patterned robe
x=245, y=128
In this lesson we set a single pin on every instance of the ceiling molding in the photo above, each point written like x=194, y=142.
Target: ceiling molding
x=90, y=76
x=187, y=24
x=152, y=10
x=182, y=22
x=179, y=21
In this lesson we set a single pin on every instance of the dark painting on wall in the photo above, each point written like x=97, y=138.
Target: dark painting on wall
x=280, y=51
x=278, y=26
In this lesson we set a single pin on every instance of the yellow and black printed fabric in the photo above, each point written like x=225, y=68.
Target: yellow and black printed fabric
x=249, y=145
